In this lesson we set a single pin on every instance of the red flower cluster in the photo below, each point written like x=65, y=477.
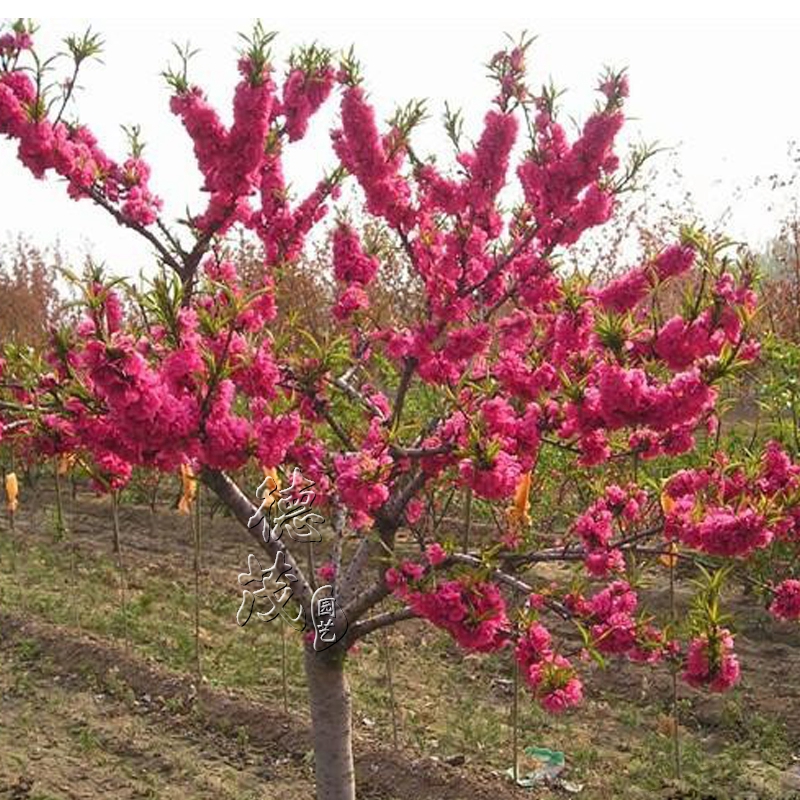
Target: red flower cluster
x=72, y=152
x=625, y=293
x=374, y=160
x=304, y=93
x=720, y=511
x=711, y=663
x=353, y=268
x=472, y=611
x=595, y=527
x=786, y=603
x=551, y=677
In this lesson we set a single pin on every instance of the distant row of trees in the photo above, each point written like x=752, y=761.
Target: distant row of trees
x=29, y=293
x=34, y=293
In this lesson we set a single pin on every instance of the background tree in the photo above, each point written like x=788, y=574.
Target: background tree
x=29, y=296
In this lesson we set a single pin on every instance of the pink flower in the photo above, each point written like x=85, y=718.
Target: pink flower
x=674, y=260
x=360, y=480
x=414, y=511
x=353, y=299
x=303, y=94
x=725, y=532
x=474, y=613
x=495, y=481
x=786, y=604
x=412, y=571
x=274, y=436
x=601, y=562
x=489, y=164
x=395, y=579
x=435, y=554
x=626, y=292
x=711, y=662
x=534, y=644
x=364, y=153
x=350, y=263
x=555, y=683
x=594, y=449
x=778, y=473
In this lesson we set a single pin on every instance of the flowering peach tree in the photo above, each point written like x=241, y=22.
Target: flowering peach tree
x=505, y=362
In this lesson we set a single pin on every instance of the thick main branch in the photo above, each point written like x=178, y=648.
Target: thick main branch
x=232, y=496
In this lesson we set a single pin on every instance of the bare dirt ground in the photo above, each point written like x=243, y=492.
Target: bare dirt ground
x=99, y=696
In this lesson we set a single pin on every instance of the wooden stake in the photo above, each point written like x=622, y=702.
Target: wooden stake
x=515, y=712
x=197, y=531
x=384, y=646
x=676, y=742
x=120, y=566
x=284, y=681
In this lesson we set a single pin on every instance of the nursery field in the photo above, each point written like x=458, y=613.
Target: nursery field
x=100, y=695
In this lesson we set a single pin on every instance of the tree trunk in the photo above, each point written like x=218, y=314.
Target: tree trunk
x=329, y=694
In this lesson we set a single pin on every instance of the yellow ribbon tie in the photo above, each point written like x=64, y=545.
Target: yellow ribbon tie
x=189, y=484
x=12, y=492
x=66, y=461
x=272, y=472
x=519, y=512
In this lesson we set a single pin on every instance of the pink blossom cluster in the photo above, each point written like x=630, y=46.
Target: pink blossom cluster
x=596, y=527
x=786, y=602
x=72, y=153
x=711, y=663
x=153, y=399
x=551, y=677
x=486, y=170
x=625, y=293
x=471, y=610
x=304, y=92
x=563, y=182
x=353, y=268
x=610, y=615
x=229, y=160
x=493, y=453
x=662, y=414
x=237, y=162
x=683, y=342
x=281, y=228
x=361, y=476
x=375, y=160
x=719, y=510
x=14, y=42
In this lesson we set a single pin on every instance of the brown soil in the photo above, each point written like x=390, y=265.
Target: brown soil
x=83, y=718
x=149, y=731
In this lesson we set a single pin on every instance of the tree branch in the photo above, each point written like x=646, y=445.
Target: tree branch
x=347, y=585
x=402, y=390
x=354, y=394
x=365, y=626
x=366, y=600
x=232, y=496
x=166, y=256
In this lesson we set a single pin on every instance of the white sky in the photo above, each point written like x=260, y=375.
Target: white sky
x=722, y=91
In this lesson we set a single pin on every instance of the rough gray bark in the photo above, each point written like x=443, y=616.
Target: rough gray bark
x=329, y=695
